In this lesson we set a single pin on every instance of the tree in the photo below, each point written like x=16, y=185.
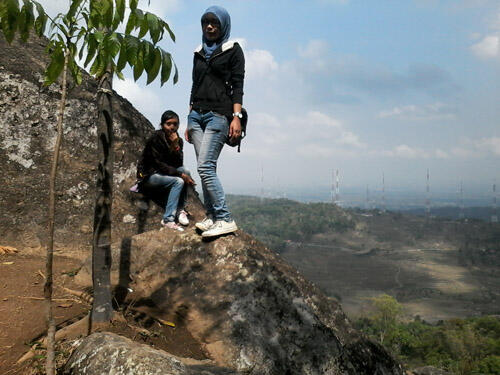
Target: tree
x=94, y=25
x=385, y=317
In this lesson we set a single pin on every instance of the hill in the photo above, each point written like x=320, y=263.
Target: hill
x=437, y=268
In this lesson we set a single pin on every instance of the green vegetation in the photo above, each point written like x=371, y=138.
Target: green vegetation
x=274, y=221
x=460, y=346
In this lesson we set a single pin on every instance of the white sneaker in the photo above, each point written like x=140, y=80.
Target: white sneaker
x=171, y=225
x=183, y=218
x=220, y=227
x=204, y=224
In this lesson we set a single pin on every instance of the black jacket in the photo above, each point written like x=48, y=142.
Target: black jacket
x=158, y=157
x=218, y=81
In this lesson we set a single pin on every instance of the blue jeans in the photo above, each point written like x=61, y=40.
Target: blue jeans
x=173, y=186
x=209, y=132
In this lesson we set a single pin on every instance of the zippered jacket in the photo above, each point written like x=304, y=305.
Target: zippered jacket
x=159, y=157
x=218, y=81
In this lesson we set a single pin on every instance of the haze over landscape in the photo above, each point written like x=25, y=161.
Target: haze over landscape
x=364, y=87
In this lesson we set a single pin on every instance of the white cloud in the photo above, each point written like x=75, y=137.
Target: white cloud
x=314, y=49
x=407, y=152
x=488, y=47
x=440, y=154
x=490, y=145
x=161, y=8
x=144, y=99
x=434, y=111
x=259, y=63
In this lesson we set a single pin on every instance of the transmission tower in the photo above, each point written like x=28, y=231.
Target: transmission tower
x=461, y=214
x=494, y=217
x=427, y=197
x=337, y=187
x=333, y=187
x=367, y=199
x=262, y=184
x=383, y=192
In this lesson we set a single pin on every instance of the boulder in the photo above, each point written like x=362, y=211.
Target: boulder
x=107, y=353
x=28, y=114
x=250, y=310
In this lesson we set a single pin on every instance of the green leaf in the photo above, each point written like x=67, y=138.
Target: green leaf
x=120, y=75
x=132, y=49
x=108, y=15
x=132, y=19
x=176, y=75
x=155, y=69
x=26, y=20
x=10, y=19
x=75, y=4
x=92, y=45
x=154, y=27
x=112, y=45
x=120, y=9
x=75, y=70
x=144, y=26
x=138, y=66
x=56, y=64
x=148, y=55
x=99, y=36
x=166, y=66
x=133, y=4
x=167, y=27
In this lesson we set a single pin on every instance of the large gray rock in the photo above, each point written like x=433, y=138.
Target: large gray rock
x=107, y=353
x=250, y=310
x=28, y=114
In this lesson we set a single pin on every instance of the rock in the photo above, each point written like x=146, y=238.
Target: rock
x=130, y=219
x=107, y=353
x=28, y=112
x=251, y=311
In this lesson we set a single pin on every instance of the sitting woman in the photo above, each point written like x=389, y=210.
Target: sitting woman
x=160, y=171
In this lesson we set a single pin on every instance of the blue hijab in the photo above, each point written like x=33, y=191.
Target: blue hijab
x=225, y=29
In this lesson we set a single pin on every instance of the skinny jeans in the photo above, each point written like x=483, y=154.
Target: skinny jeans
x=208, y=132
x=173, y=187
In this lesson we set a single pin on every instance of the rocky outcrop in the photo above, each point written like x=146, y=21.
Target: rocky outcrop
x=107, y=353
x=250, y=310
x=28, y=112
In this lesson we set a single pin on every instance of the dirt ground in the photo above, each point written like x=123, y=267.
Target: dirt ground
x=22, y=313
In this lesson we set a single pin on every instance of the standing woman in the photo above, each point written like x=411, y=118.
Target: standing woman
x=215, y=112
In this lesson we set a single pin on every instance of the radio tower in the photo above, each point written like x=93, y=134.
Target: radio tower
x=262, y=184
x=494, y=217
x=461, y=214
x=337, y=188
x=383, y=192
x=367, y=202
x=333, y=187
x=427, y=197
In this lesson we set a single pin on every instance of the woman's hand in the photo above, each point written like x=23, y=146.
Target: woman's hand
x=187, y=179
x=186, y=137
x=235, y=129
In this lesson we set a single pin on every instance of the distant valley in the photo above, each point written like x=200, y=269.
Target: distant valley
x=437, y=268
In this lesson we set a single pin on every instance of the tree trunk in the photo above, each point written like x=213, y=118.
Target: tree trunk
x=47, y=290
x=102, y=309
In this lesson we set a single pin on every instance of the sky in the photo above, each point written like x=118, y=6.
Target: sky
x=371, y=88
